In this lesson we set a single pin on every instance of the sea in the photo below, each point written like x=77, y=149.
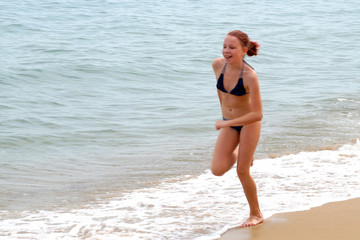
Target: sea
x=108, y=110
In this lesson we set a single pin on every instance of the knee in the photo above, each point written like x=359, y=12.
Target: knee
x=217, y=172
x=243, y=174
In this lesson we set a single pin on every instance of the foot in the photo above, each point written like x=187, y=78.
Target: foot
x=252, y=221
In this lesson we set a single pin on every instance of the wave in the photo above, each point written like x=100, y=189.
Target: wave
x=199, y=207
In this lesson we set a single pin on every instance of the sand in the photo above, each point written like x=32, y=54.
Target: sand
x=332, y=221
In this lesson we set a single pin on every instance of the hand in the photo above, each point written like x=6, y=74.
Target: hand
x=219, y=125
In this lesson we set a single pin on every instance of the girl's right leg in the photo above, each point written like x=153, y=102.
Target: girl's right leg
x=224, y=155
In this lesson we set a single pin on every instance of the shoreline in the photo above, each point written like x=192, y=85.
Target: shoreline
x=334, y=220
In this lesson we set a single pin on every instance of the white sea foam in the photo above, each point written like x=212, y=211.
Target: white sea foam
x=200, y=207
x=345, y=99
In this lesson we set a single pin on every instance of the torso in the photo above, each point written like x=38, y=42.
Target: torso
x=233, y=106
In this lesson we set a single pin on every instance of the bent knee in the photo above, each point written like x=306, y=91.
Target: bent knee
x=220, y=168
x=218, y=172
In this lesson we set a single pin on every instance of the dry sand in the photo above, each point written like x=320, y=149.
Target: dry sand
x=332, y=221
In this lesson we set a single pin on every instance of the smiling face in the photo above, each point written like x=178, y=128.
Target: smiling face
x=233, y=51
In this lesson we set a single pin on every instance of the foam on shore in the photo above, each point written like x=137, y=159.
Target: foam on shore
x=199, y=207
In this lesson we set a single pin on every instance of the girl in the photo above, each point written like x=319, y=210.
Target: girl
x=241, y=106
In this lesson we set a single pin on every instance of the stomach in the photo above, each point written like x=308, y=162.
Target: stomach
x=234, y=106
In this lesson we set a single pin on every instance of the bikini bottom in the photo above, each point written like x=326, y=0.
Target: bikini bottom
x=237, y=128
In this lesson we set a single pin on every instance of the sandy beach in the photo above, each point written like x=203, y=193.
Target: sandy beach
x=332, y=221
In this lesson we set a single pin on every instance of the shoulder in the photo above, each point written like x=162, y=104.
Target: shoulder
x=251, y=78
x=250, y=73
x=218, y=63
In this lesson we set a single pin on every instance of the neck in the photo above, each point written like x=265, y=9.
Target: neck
x=237, y=65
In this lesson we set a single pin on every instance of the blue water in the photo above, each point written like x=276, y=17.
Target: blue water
x=100, y=99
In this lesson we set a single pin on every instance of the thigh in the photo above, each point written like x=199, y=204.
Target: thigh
x=224, y=157
x=249, y=139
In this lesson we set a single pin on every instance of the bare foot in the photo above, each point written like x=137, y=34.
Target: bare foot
x=252, y=221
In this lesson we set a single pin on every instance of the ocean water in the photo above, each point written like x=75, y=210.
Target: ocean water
x=108, y=108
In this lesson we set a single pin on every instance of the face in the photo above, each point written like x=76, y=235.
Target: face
x=233, y=50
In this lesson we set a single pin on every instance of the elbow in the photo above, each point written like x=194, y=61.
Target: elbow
x=259, y=116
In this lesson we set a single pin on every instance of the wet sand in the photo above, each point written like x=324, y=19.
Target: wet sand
x=332, y=221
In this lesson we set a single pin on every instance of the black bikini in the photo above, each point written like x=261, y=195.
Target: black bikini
x=239, y=89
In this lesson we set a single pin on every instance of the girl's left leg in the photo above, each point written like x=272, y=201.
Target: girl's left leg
x=249, y=138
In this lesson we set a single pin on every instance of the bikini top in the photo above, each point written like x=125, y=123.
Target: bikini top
x=239, y=89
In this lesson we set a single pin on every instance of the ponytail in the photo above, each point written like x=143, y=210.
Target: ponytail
x=253, y=48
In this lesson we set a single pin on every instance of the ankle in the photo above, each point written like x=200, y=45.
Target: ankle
x=257, y=214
